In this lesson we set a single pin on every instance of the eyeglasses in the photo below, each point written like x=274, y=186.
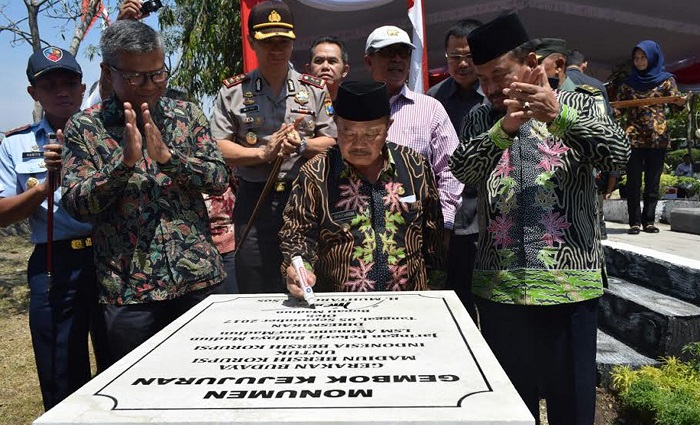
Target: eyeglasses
x=391, y=51
x=457, y=58
x=139, y=78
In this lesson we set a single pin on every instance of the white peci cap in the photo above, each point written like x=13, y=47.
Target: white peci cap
x=386, y=36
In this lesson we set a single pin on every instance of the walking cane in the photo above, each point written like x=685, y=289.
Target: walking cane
x=263, y=196
x=49, y=221
x=261, y=200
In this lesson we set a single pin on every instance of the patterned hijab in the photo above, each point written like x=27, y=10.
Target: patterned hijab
x=655, y=73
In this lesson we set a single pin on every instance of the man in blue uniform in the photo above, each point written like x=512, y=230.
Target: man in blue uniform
x=63, y=308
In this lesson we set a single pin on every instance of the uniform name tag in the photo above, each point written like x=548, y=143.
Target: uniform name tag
x=31, y=155
x=346, y=215
x=252, y=108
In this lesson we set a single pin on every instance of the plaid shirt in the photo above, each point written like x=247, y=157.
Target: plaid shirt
x=151, y=232
x=422, y=124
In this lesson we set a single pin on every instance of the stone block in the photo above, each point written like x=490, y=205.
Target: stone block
x=615, y=210
x=665, y=273
x=686, y=220
x=653, y=323
x=612, y=352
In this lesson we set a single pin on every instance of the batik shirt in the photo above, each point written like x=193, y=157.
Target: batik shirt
x=539, y=240
x=151, y=233
x=646, y=125
x=358, y=236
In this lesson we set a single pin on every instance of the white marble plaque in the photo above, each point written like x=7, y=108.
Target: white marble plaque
x=357, y=358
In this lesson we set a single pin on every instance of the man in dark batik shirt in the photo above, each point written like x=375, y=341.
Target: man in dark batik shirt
x=365, y=215
x=135, y=166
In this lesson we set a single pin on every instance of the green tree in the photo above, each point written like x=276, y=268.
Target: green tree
x=205, y=35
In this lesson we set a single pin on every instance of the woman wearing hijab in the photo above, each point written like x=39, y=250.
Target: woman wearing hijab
x=646, y=129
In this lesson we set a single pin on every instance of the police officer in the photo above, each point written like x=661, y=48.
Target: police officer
x=269, y=112
x=62, y=309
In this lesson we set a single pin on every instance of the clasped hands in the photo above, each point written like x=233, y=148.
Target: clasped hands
x=530, y=98
x=133, y=145
x=283, y=142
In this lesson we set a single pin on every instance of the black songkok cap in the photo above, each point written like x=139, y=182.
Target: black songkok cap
x=362, y=101
x=547, y=46
x=496, y=38
x=271, y=18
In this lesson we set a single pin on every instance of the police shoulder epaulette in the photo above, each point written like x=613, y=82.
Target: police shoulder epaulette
x=314, y=81
x=588, y=89
x=235, y=80
x=17, y=130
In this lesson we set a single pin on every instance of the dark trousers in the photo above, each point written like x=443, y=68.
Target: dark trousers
x=62, y=314
x=460, y=267
x=130, y=325
x=651, y=163
x=230, y=283
x=547, y=351
x=259, y=258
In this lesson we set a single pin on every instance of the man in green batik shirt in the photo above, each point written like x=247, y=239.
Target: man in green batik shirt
x=537, y=278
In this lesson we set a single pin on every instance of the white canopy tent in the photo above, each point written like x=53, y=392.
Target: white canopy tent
x=604, y=30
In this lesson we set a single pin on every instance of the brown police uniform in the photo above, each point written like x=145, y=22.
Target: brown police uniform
x=247, y=112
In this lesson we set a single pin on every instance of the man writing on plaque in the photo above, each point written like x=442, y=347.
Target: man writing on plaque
x=365, y=215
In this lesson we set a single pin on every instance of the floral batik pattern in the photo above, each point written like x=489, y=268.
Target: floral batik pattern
x=360, y=236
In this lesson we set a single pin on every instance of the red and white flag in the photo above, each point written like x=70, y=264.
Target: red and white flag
x=418, y=78
x=250, y=61
x=101, y=12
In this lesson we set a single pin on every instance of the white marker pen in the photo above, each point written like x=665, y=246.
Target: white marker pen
x=298, y=264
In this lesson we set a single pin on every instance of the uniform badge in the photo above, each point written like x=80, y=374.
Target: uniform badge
x=31, y=182
x=302, y=97
x=235, y=80
x=280, y=186
x=258, y=84
x=259, y=121
x=248, y=120
x=35, y=148
x=42, y=164
x=248, y=94
x=248, y=101
x=54, y=54
x=251, y=138
x=328, y=104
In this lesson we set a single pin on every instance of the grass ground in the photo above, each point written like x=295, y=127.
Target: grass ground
x=20, y=396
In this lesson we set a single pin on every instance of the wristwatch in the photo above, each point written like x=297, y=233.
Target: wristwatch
x=302, y=146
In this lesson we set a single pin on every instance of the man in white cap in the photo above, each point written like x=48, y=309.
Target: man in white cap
x=420, y=122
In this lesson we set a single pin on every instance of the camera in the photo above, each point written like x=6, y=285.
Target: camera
x=150, y=6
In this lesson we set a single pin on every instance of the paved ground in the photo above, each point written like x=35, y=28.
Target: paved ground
x=684, y=245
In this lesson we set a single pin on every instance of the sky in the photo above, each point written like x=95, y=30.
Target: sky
x=15, y=103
